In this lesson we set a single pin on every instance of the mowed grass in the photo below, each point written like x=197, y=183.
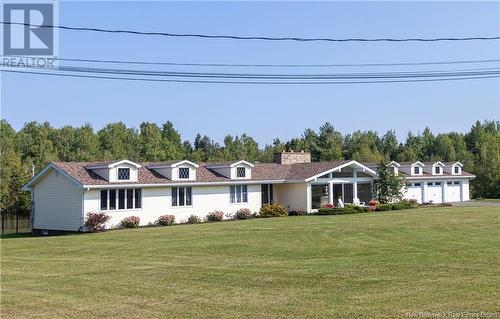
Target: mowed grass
x=367, y=265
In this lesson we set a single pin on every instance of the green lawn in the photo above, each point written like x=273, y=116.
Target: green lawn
x=366, y=265
x=495, y=200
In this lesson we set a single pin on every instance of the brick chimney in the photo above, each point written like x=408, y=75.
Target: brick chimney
x=291, y=157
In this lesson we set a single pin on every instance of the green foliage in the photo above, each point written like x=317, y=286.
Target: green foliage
x=297, y=213
x=215, y=216
x=388, y=187
x=273, y=210
x=384, y=207
x=39, y=143
x=130, y=222
x=194, y=219
x=165, y=220
x=243, y=213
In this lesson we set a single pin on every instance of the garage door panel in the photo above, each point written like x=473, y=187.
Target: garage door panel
x=453, y=193
x=434, y=194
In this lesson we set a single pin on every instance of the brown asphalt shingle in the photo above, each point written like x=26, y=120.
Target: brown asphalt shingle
x=260, y=172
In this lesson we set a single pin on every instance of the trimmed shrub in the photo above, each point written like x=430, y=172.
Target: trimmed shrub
x=165, y=220
x=297, y=213
x=130, y=222
x=215, y=216
x=193, y=219
x=244, y=213
x=413, y=202
x=384, y=207
x=273, y=210
x=337, y=211
x=357, y=208
x=96, y=222
x=399, y=206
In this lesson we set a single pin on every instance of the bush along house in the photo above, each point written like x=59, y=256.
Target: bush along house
x=63, y=193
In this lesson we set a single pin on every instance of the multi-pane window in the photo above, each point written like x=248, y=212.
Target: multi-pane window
x=238, y=194
x=123, y=174
x=457, y=170
x=181, y=196
x=129, y=198
x=184, y=172
x=416, y=170
x=240, y=172
x=437, y=169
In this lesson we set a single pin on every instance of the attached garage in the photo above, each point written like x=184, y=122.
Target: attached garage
x=414, y=191
x=453, y=190
x=434, y=192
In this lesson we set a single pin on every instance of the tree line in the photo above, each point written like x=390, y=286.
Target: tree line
x=37, y=144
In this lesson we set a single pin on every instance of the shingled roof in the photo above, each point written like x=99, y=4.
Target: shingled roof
x=261, y=172
x=83, y=174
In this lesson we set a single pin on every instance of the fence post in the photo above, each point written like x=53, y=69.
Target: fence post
x=3, y=221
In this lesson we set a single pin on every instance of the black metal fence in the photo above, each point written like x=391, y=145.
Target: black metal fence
x=15, y=221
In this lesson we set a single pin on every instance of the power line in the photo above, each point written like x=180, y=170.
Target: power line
x=377, y=75
x=265, y=65
x=267, y=38
x=249, y=82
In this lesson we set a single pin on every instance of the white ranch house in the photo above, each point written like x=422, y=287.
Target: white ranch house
x=64, y=192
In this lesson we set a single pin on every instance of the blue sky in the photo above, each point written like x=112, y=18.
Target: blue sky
x=265, y=112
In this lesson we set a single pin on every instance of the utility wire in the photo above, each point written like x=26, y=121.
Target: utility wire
x=263, y=65
x=378, y=75
x=237, y=37
x=249, y=82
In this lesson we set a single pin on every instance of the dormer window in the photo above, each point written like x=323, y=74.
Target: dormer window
x=183, y=173
x=240, y=172
x=456, y=170
x=123, y=174
x=416, y=170
x=437, y=170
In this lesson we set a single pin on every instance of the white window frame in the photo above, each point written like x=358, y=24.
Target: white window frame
x=241, y=193
x=419, y=170
x=134, y=208
x=177, y=197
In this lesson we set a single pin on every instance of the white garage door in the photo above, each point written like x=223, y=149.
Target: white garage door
x=453, y=192
x=434, y=192
x=414, y=191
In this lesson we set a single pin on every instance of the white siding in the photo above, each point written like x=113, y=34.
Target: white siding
x=293, y=196
x=156, y=201
x=58, y=203
x=443, y=193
